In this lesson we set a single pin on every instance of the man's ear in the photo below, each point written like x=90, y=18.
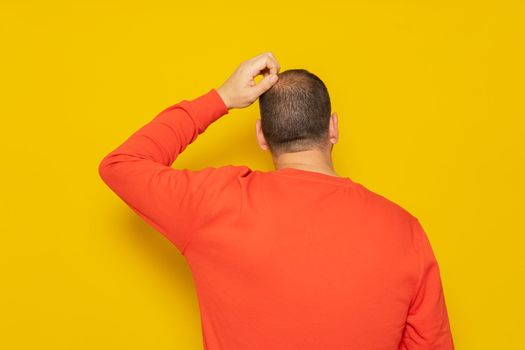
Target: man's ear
x=260, y=136
x=333, y=129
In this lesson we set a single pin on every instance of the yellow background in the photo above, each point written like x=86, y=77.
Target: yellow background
x=430, y=102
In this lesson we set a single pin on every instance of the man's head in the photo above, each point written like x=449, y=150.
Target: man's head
x=296, y=115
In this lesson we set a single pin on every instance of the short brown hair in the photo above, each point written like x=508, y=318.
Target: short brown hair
x=295, y=112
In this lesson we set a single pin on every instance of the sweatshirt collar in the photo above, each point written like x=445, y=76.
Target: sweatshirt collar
x=313, y=175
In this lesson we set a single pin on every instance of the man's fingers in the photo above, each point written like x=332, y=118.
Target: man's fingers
x=266, y=83
x=275, y=63
x=262, y=62
x=253, y=59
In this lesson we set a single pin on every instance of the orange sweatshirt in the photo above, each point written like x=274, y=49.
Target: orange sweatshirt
x=286, y=259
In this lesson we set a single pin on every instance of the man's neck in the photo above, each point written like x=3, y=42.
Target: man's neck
x=312, y=160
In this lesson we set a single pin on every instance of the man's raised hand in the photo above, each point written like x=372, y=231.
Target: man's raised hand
x=240, y=89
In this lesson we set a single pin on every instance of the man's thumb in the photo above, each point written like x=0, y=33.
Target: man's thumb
x=265, y=84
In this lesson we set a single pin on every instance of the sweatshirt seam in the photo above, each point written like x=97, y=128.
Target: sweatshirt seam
x=194, y=231
x=419, y=260
x=241, y=189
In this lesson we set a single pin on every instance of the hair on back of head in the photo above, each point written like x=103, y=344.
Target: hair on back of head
x=295, y=112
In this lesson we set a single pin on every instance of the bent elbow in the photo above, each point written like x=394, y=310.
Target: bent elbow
x=103, y=169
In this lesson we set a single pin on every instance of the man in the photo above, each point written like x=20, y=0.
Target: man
x=296, y=258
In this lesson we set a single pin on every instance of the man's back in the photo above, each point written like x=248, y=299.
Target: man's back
x=288, y=259
x=294, y=259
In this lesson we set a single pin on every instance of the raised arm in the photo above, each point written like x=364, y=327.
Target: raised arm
x=177, y=201
x=139, y=171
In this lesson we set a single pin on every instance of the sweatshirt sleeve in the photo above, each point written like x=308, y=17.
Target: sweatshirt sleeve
x=427, y=326
x=173, y=201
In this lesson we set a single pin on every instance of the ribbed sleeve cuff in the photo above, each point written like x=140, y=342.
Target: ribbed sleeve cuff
x=207, y=108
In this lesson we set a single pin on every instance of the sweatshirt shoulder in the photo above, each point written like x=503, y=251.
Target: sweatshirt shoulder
x=232, y=170
x=225, y=173
x=383, y=205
